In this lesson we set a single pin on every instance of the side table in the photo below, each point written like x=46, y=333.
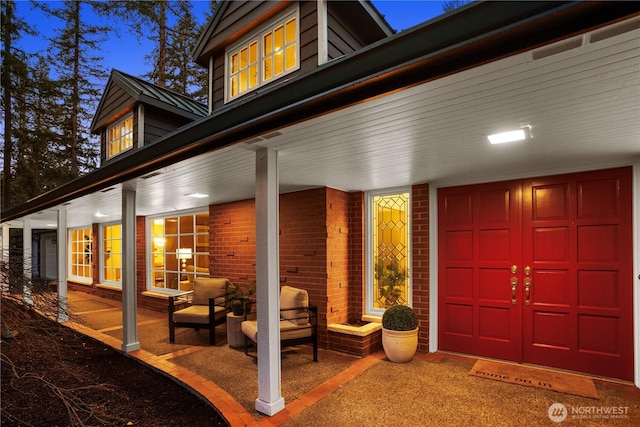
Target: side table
x=235, y=337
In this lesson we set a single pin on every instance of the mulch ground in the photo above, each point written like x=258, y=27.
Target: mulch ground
x=53, y=376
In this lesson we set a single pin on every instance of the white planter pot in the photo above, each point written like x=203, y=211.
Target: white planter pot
x=399, y=346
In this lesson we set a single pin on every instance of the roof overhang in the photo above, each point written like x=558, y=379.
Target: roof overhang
x=460, y=41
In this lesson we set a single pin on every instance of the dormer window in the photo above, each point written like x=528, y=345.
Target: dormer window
x=120, y=136
x=267, y=55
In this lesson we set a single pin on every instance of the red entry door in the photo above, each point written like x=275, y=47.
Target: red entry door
x=539, y=271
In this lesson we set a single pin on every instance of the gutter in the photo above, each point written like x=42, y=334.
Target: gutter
x=473, y=36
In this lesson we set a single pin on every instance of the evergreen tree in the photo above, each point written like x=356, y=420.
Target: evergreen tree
x=15, y=77
x=74, y=52
x=181, y=73
x=174, y=31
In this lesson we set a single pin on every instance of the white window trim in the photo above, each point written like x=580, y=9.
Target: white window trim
x=370, y=311
x=257, y=35
x=149, y=287
x=101, y=254
x=108, y=143
x=77, y=279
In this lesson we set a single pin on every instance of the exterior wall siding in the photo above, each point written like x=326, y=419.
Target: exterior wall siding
x=231, y=29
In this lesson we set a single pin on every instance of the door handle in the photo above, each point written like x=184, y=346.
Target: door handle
x=514, y=285
x=527, y=291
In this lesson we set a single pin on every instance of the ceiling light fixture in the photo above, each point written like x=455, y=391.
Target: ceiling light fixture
x=100, y=215
x=197, y=195
x=511, y=136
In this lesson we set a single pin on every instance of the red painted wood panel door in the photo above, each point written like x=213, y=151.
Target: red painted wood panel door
x=569, y=240
x=479, y=239
x=578, y=243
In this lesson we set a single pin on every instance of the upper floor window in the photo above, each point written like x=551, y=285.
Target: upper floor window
x=120, y=136
x=267, y=55
x=81, y=251
x=111, y=254
x=388, y=250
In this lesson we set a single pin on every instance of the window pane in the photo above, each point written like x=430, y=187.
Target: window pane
x=390, y=243
x=243, y=58
x=278, y=63
x=253, y=76
x=171, y=225
x=278, y=38
x=267, y=45
x=267, y=68
x=186, y=224
x=243, y=81
x=234, y=63
x=253, y=53
x=234, y=85
x=290, y=54
x=291, y=31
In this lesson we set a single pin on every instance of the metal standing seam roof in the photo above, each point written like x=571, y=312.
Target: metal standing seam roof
x=151, y=94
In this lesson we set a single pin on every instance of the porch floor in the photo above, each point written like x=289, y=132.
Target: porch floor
x=433, y=389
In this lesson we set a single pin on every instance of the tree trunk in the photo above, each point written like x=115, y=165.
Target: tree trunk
x=6, y=82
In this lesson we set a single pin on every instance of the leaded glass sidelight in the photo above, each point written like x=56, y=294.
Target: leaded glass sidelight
x=390, y=247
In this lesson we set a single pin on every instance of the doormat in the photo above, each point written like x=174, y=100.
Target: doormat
x=538, y=378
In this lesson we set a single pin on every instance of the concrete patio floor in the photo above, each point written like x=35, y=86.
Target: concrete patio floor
x=355, y=390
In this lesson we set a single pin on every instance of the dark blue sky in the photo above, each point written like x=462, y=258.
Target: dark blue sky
x=126, y=53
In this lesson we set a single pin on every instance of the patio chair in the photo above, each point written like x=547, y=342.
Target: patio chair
x=298, y=322
x=207, y=307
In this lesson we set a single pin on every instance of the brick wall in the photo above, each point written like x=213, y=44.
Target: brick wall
x=337, y=248
x=232, y=241
x=303, y=248
x=356, y=255
x=356, y=345
x=420, y=249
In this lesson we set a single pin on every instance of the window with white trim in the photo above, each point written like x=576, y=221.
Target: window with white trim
x=111, y=254
x=267, y=55
x=120, y=136
x=81, y=254
x=388, y=249
x=179, y=249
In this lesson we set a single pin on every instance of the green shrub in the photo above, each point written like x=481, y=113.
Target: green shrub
x=399, y=318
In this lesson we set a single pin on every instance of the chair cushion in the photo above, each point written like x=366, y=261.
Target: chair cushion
x=292, y=298
x=197, y=314
x=288, y=330
x=205, y=288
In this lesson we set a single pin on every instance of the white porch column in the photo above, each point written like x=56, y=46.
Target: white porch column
x=635, y=208
x=269, y=400
x=5, y=257
x=61, y=248
x=27, y=261
x=129, y=318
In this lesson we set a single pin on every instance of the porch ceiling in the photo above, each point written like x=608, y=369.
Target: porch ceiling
x=583, y=106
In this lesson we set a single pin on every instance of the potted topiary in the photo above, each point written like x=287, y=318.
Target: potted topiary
x=399, y=333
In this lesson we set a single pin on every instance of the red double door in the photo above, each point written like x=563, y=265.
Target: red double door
x=539, y=271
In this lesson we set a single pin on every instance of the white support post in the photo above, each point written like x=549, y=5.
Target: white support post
x=129, y=316
x=269, y=399
x=27, y=261
x=5, y=257
x=61, y=248
x=635, y=208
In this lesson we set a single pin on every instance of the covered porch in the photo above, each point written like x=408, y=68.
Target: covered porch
x=418, y=121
